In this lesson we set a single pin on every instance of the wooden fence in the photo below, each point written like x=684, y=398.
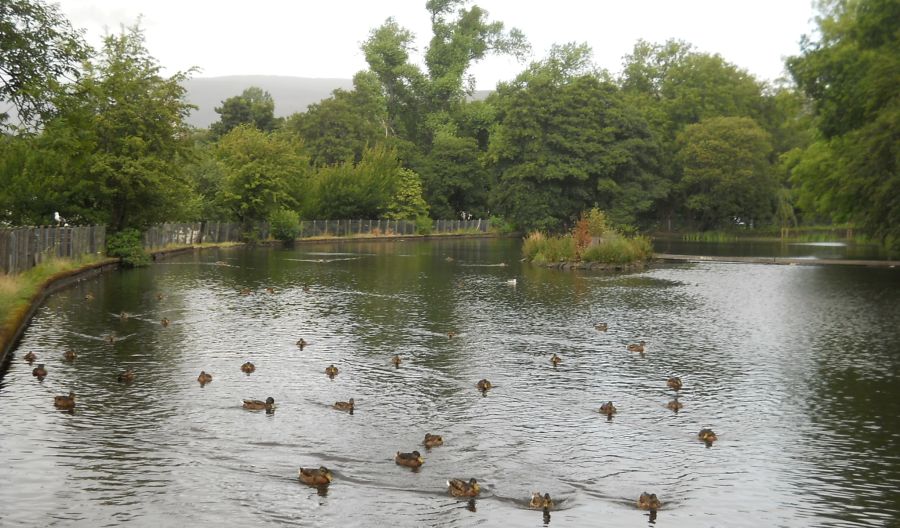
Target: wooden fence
x=25, y=247
x=162, y=235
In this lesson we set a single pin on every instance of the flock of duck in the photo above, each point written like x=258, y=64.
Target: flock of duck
x=322, y=476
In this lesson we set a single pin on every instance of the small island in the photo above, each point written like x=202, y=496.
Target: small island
x=593, y=244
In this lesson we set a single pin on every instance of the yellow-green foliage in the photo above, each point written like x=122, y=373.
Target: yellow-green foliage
x=542, y=249
x=613, y=248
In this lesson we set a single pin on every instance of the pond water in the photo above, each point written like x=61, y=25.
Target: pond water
x=795, y=368
x=774, y=248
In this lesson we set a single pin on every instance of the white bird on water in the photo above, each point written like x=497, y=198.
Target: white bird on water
x=511, y=282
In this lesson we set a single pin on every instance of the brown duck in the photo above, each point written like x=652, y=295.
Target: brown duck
x=433, y=440
x=412, y=460
x=316, y=477
x=331, y=371
x=39, y=371
x=344, y=406
x=65, y=402
x=248, y=367
x=258, y=405
x=204, y=378
x=639, y=347
x=127, y=376
x=648, y=501
x=30, y=357
x=674, y=383
x=461, y=488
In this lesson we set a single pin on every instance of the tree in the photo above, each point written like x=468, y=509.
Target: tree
x=407, y=202
x=355, y=190
x=852, y=75
x=727, y=173
x=253, y=107
x=566, y=141
x=263, y=172
x=38, y=49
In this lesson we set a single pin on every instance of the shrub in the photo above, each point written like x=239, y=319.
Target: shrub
x=424, y=225
x=501, y=225
x=597, y=224
x=127, y=245
x=285, y=224
x=543, y=249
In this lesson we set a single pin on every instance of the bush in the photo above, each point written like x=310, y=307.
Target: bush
x=597, y=223
x=127, y=245
x=542, y=249
x=424, y=225
x=501, y=225
x=285, y=224
x=619, y=250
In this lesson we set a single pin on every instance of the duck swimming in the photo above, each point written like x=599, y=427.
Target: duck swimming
x=648, y=501
x=164, y=322
x=707, y=435
x=204, y=378
x=30, y=357
x=396, y=361
x=540, y=502
x=331, y=371
x=127, y=376
x=433, y=440
x=39, y=371
x=70, y=355
x=608, y=409
x=461, y=488
x=257, y=405
x=674, y=383
x=637, y=347
x=556, y=360
x=316, y=477
x=302, y=343
x=65, y=402
x=484, y=385
x=674, y=405
x=344, y=406
x=412, y=460
x=602, y=327
x=248, y=367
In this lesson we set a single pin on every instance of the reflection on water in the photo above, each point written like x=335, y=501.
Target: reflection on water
x=794, y=368
x=774, y=248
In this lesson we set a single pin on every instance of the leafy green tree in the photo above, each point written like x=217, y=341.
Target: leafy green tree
x=566, y=141
x=360, y=190
x=342, y=126
x=38, y=50
x=253, y=107
x=263, y=172
x=727, y=173
x=455, y=179
x=852, y=75
x=407, y=201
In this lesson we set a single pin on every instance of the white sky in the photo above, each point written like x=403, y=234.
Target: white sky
x=321, y=38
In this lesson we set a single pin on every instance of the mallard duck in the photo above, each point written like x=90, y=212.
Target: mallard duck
x=674, y=405
x=248, y=367
x=412, y=460
x=245, y=291
x=124, y=316
x=608, y=408
x=484, y=385
x=461, y=488
x=257, y=405
x=707, y=435
x=648, y=501
x=270, y=290
x=127, y=376
x=30, y=357
x=674, y=383
x=396, y=361
x=540, y=502
x=69, y=355
x=164, y=322
x=316, y=477
x=305, y=289
x=637, y=347
x=344, y=406
x=204, y=378
x=451, y=335
x=89, y=296
x=433, y=440
x=602, y=327
x=110, y=338
x=65, y=402
x=331, y=371
x=39, y=371
x=301, y=343
x=160, y=296
x=556, y=360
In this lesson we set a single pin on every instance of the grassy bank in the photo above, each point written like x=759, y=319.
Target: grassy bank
x=844, y=233
x=612, y=248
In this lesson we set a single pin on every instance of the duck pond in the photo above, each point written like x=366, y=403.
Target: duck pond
x=795, y=368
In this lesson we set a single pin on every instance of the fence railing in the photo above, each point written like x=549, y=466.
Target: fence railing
x=23, y=248
x=314, y=228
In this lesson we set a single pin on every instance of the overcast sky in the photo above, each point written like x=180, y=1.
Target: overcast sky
x=321, y=38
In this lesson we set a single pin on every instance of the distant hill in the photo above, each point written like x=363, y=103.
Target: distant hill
x=291, y=94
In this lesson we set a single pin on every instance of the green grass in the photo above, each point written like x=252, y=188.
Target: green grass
x=613, y=249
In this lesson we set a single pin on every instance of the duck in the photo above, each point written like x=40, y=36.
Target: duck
x=540, y=502
x=245, y=291
x=707, y=435
x=124, y=316
x=30, y=357
x=674, y=383
x=648, y=501
x=204, y=378
x=331, y=371
x=70, y=355
x=127, y=376
x=674, y=405
x=344, y=406
x=89, y=296
x=484, y=385
x=301, y=343
x=248, y=367
x=608, y=408
x=305, y=289
x=512, y=282
x=257, y=405
x=639, y=347
x=461, y=488
x=451, y=335
x=39, y=371
x=65, y=402
x=316, y=477
x=111, y=338
x=270, y=290
x=412, y=460
x=164, y=322
x=556, y=360
x=160, y=296
x=396, y=361
x=433, y=441
x=602, y=327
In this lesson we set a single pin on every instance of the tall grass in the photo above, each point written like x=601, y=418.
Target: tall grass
x=612, y=249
